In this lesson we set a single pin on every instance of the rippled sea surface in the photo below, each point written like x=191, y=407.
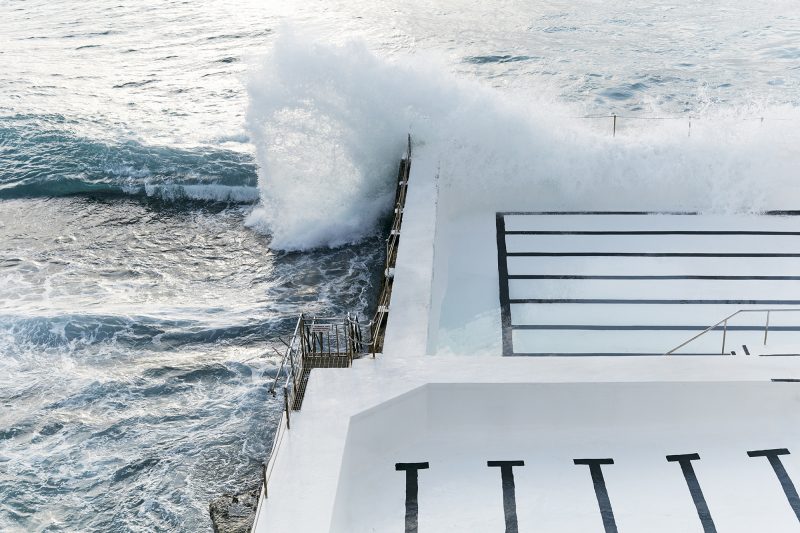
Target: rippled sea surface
x=138, y=313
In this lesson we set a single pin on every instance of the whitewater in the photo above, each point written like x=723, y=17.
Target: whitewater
x=179, y=181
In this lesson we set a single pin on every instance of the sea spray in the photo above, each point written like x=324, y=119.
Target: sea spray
x=329, y=126
x=329, y=122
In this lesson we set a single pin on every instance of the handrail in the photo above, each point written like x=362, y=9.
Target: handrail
x=290, y=346
x=382, y=310
x=688, y=118
x=269, y=466
x=724, y=323
x=307, y=341
x=299, y=347
x=315, y=337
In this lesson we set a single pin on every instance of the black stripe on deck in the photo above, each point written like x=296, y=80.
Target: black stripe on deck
x=653, y=232
x=659, y=302
x=556, y=213
x=665, y=277
x=505, y=302
x=614, y=354
x=780, y=212
x=647, y=254
x=595, y=327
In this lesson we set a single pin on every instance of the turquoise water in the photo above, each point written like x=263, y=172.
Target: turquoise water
x=172, y=176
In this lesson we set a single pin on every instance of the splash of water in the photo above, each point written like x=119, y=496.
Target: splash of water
x=328, y=123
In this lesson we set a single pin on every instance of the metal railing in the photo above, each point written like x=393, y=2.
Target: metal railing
x=724, y=324
x=689, y=119
x=377, y=325
x=324, y=342
x=316, y=342
x=292, y=363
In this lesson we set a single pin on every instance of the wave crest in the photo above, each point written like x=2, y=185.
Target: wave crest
x=46, y=160
x=328, y=123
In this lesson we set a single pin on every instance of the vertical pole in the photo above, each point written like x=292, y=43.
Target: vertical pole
x=766, y=329
x=724, y=334
x=337, y=337
x=286, y=406
x=614, y=126
x=356, y=341
x=690, y=126
x=264, y=475
x=304, y=339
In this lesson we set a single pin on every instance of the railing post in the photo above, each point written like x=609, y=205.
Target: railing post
x=724, y=334
x=264, y=474
x=303, y=339
x=348, y=335
x=614, y=126
x=286, y=406
x=766, y=329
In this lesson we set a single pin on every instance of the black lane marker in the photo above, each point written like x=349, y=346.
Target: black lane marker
x=600, y=490
x=774, y=212
x=593, y=327
x=502, y=271
x=685, y=460
x=412, y=490
x=590, y=354
x=614, y=301
x=647, y=254
x=746, y=351
x=650, y=232
x=601, y=212
x=509, y=492
x=785, y=380
x=629, y=278
x=783, y=477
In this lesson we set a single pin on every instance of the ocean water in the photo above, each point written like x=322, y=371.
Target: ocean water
x=178, y=180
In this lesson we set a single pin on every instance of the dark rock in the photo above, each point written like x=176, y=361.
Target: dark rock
x=234, y=513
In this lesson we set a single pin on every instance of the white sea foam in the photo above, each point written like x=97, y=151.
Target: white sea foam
x=204, y=192
x=210, y=192
x=329, y=123
x=329, y=126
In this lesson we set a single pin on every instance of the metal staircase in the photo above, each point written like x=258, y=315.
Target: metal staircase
x=317, y=343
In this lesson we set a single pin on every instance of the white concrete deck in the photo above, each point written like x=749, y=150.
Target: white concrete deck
x=335, y=470
x=317, y=483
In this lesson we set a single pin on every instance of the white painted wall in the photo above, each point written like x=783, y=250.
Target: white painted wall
x=458, y=427
x=313, y=476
